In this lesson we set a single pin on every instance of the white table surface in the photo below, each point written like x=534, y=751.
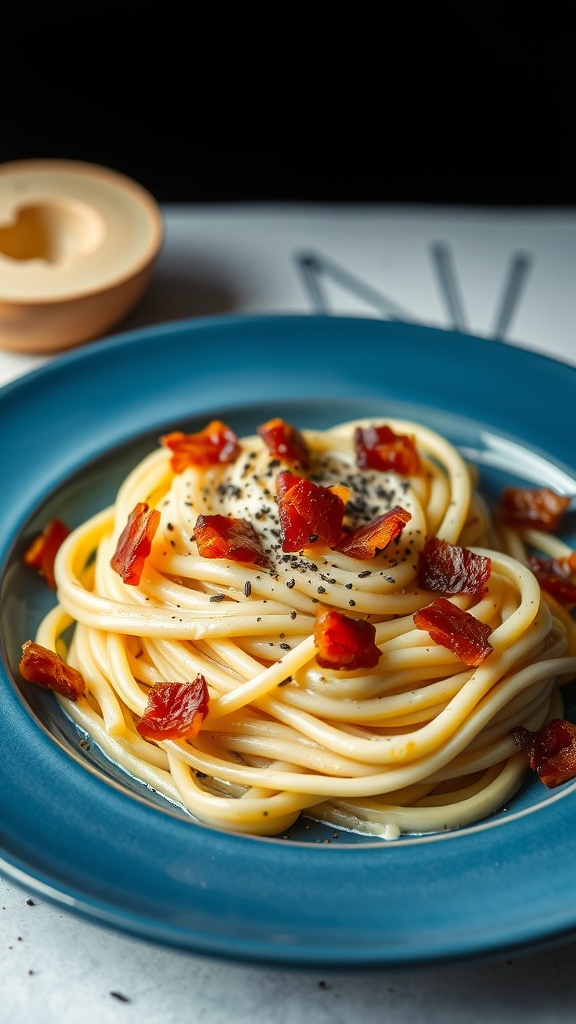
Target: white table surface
x=442, y=267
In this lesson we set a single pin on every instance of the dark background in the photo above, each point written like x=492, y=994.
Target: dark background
x=463, y=103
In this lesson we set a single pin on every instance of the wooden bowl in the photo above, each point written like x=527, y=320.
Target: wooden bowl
x=78, y=244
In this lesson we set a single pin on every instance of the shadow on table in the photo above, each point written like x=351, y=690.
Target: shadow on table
x=178, y=296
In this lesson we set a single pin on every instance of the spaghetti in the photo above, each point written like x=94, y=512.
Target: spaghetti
x=419, y=742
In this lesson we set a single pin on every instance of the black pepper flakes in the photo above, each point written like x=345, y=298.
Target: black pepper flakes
x=247, y=588
x=217, y=597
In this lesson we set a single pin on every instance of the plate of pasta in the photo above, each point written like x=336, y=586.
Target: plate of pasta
x=288, y=642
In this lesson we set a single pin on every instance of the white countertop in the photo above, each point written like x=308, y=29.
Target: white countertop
x=508, y=274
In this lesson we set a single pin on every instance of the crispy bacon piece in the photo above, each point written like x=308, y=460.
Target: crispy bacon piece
x=285, y=481
x=381, y=448
x=285, y=442
x=565, y=566
x=455, y=629
x=344, y=642
x=135, y=542
x=451, y=569
x=551, y=750
x=225, y=537
x=310, y=515
x=538, y=509
x=554, y=576
x=175, y=711
x=365, y=541
x=42, y=666
x=41, y=554
x=215, y=445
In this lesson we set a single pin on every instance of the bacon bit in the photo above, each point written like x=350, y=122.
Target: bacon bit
x=344, y=642
x=225, y=537
x=553, y=575
x=175, y=711
x=215, y=445
x=366, y=541
x=135, y=542
x=310, y=515
x=42, y=666
x=285, y=442
x=551, y=750
x=284, y=481
x=380, y=448
x=563, y=591
x=564, y=567
x=42, y=552
x=455, y=629
x=452, y=569
x=539, y=509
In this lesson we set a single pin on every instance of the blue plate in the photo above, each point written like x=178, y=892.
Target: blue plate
x=79, y=832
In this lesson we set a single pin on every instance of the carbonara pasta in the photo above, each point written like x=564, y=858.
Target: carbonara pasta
x=420, y=742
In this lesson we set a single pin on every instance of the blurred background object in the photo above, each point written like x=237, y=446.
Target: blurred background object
x=447, y=103
x=78, y=244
